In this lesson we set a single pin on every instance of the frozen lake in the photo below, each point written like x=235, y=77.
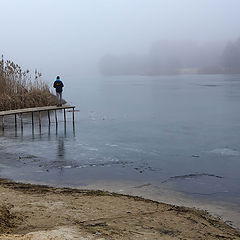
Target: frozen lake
x=172, y=132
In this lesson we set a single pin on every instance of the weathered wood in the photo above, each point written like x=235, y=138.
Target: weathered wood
x=32, y=120
x=15, y=118
x=39, y=118
x=49, y=118
x=73, y=113
x=2, y=122
x=36, y=109
x=21, y=121
x=64, y=115
x=56, y=117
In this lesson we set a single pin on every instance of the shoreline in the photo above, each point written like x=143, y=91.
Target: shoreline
x=28, y=211
x=225, y=210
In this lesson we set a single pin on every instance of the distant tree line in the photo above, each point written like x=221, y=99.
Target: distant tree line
x=231, y=57
x=172, y=57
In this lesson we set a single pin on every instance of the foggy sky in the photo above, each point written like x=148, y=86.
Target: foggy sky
x=68, y=37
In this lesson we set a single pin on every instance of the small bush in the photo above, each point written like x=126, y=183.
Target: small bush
x=19, y=90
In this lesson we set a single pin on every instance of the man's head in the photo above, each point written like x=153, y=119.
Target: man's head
x=58, y=77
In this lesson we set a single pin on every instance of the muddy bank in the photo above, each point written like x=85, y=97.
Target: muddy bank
x=40, y=212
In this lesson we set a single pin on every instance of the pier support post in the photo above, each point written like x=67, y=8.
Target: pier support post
x=15, y=117
x=56, y=117
x=64, y=112
x=49, y=119
x=3, y=123
x=73, y=121
x=18, y=113
x=21, y=121
x=73, y=115
x=32, y=120
x=39, y=118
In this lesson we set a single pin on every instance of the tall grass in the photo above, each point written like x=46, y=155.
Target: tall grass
x=18, y=89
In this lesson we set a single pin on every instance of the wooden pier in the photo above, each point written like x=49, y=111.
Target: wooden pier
x=38, y=110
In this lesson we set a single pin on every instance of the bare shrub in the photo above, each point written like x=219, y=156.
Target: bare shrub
x=19, y=90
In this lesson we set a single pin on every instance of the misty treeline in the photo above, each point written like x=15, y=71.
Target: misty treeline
x=175, y=57
x=18, y=89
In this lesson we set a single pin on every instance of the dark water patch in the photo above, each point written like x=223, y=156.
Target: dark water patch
x=193, y=175
x=143, y=185
x=64, y=164
x=195, y=156
x=27, y=157
x=204, y=194
x=210, y=85
x=201, y=184
x=146, y=168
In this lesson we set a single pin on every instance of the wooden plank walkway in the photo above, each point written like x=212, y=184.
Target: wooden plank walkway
x=34, y=110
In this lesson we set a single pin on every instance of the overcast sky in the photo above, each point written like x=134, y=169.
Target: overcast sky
x=69, y=36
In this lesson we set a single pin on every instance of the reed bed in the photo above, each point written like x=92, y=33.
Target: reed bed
x=18, y=89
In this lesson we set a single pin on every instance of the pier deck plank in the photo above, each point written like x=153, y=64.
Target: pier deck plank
x=36, y=109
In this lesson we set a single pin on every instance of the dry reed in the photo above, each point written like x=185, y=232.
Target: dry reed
x=19, y=90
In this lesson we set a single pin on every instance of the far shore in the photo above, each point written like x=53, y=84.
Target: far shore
x=39, y=212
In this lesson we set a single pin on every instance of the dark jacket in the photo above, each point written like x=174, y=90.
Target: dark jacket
x=58, y=85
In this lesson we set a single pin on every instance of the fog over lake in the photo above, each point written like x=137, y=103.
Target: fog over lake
x=70, y=37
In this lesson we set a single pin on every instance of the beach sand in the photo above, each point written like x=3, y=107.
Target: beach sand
x=44, y=213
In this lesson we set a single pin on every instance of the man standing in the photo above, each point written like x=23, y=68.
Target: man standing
x=58, y=85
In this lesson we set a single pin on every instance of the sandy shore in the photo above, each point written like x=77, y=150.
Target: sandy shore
x=39, y=212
